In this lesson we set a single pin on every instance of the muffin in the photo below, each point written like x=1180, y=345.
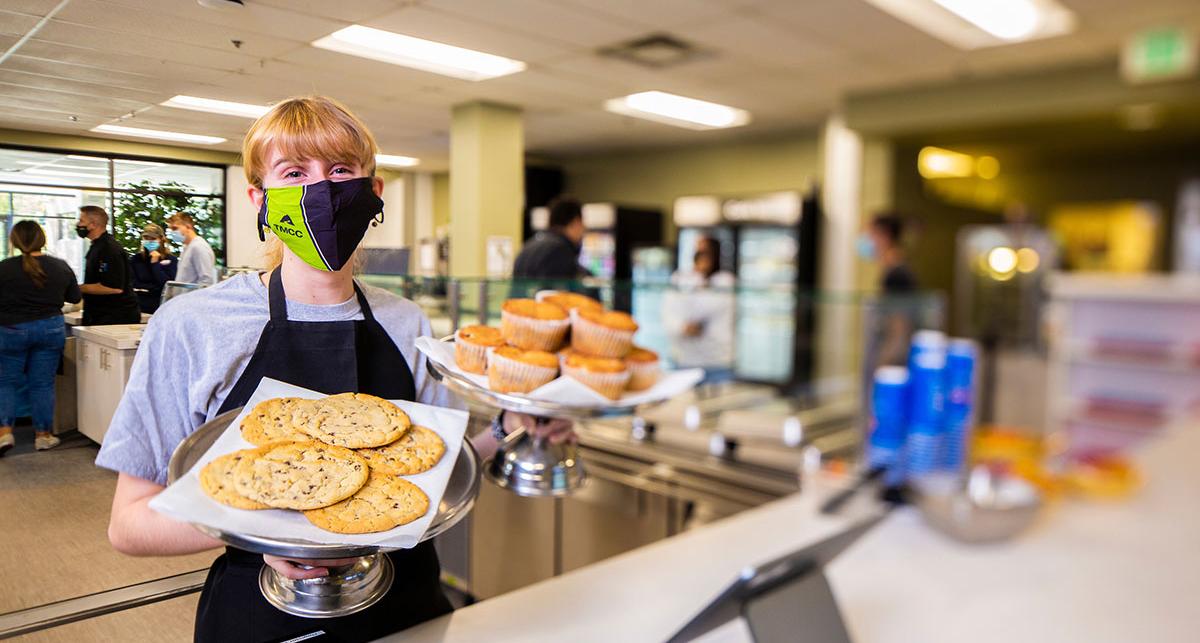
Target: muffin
x=471, y=344
x=606, y=376
x=534, y=325
x=602, y=333
x=569, y=301
x=644, y=370
x=563, y=354
x=512, y=370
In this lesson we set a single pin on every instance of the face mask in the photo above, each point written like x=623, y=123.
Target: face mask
x=150, y=246
x=81, y=230
x=175, y=235
x=865, y=247
x=323, y=222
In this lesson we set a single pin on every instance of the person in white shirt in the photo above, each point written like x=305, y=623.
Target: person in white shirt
x=698, y=314
x=197, y=263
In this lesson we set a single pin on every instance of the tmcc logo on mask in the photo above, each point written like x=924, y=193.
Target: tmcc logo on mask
x=290, y=231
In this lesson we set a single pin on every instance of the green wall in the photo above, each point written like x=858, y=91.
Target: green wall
x=441, y=200
x=654, y=179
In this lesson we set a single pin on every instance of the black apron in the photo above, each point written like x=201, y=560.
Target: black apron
x=330, y=357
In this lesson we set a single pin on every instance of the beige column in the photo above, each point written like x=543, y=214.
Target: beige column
x=487, y=184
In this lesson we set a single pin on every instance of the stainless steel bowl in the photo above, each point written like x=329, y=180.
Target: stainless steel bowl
x=989, y=507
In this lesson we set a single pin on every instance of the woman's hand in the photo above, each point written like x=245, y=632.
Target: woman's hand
x=292, y=567
x=556, y=430
x=155, y=256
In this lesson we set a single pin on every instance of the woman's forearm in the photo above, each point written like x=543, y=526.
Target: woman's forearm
x=138, y=530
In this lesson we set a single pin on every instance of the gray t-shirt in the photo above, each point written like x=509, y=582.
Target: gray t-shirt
x=197, y=263
x=195, y=349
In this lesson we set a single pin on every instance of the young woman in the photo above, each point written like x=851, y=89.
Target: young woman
x=152, y=268
x=33, y=288
x=206, y=353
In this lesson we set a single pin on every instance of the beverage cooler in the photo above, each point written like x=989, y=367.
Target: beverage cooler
x=769, y=242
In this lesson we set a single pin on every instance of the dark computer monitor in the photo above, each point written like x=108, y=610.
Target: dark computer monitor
x=786, y=599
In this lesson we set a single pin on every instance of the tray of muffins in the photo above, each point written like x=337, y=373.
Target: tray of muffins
x=560, y=354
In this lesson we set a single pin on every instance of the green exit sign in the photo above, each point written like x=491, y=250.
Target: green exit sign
x=1165, y=53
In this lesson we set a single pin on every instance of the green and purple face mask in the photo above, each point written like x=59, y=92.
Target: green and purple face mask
x=323, y=222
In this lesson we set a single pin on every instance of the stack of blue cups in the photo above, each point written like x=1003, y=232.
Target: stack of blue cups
x=960, y=386
x=927, y=386
x=889, y=423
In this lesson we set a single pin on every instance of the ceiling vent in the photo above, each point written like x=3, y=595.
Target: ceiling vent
x=656, y=51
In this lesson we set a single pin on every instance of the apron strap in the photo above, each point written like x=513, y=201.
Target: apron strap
x=362, y=304
x=276, y=298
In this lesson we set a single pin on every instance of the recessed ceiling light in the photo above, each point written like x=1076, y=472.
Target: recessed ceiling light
x=418, y=53
x=214, y=106
x=973, y=24
x=44, y=172
x=159, y=134
x=393, y=160
x=56, y=165
x=680, y=111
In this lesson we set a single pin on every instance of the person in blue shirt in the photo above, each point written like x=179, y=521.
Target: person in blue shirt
x=152, y=268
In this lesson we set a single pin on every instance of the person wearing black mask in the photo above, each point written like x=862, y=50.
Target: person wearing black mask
x=554, y=253
x=107, y=285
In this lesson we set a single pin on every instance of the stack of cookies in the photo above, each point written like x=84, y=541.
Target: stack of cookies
x=558, y=332
x=341, y=460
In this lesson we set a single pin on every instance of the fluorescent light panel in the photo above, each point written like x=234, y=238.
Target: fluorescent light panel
x=179, y=137
x=37, y=171
x=974, y=24
x=214, y=106
x=418, y=53
x=393, y=160
x=680, y=111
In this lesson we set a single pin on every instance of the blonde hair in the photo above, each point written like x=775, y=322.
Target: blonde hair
x=305, y=127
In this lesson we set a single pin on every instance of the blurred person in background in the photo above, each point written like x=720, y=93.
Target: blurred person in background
x=882, y=243
x=554, y=253
x=33, y=288
x=107, y=285
x=152, y=267
x=698, y=313
x=197, y=262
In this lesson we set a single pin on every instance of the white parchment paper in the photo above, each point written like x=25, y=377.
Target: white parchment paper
x=565, y=390
x=184, y=499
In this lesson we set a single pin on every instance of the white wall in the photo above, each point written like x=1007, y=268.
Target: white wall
x=390, y=233
x=241, y=222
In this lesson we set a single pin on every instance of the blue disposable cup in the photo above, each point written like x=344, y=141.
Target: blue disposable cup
x=960, y=393
x=927, y=397
x=889, y=423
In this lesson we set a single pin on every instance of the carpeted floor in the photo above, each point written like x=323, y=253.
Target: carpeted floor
x=54, y=508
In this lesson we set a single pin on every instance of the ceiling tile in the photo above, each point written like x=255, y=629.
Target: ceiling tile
x=354, y=11
x=548, y=20
x=471, y=33
x=115, y=24
x=17, y=23
x=253, y=18
x=661, y=15
x=32, y=7
x=753, y=38
x=147, y=44
x=82, y=57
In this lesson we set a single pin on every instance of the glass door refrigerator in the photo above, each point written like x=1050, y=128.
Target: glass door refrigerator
x=769, y=242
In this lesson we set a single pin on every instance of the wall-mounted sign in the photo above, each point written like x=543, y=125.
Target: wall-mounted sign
x=776, y=207
x=697, y=211
x=1164, y=53
x=599, y=216
x=499, y=257
x=539, y=218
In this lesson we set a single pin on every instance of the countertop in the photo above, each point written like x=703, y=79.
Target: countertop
x=118, y=336
x=1095, y=572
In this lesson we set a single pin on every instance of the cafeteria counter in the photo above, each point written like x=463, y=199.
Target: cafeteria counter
x=1096, y=572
